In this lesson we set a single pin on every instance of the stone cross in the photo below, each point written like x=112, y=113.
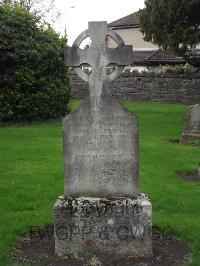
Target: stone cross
x=101, y=137
x=98, y=56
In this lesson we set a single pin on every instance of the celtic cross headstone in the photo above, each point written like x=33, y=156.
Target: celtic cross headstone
x=100, y=138
x=101, y=208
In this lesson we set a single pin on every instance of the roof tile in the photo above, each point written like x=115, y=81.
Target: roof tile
x=127, y=21
x=155, y=57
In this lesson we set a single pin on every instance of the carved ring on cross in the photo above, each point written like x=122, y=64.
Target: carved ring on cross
x=119, y=41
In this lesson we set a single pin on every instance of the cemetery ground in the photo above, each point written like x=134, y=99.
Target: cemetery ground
x=32, y=175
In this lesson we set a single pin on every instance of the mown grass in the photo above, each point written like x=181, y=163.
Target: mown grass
x=32, y=175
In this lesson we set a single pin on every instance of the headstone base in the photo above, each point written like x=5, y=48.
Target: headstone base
x=118, y=226
x=187, y=137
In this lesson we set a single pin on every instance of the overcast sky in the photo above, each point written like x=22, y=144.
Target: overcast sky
x=75, y=14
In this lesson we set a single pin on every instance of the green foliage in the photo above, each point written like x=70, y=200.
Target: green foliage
x=89, y=254
x=173, y=25
x=34, y=84
x=177, y=69
x=45, y=9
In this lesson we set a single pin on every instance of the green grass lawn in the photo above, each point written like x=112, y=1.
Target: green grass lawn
x=32, y=175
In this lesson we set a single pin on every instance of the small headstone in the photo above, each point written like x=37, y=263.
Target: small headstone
x=102, y=209
x=192, y=129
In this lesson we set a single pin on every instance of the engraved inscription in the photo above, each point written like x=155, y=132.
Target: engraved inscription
x=131, y=232
x=100, y=219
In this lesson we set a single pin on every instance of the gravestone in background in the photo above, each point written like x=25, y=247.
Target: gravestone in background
x=192, y=129
x=102, y=209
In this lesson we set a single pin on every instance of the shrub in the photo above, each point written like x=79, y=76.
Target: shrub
x=177, y=69
x=34, y=84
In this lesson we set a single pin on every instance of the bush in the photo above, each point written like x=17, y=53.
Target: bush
x=34, y=83
x=177, y=69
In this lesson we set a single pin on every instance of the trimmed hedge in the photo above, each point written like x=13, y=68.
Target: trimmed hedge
x=34, y=83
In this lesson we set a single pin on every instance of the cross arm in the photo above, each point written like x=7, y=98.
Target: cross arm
x=75, y=56
x=122, y=56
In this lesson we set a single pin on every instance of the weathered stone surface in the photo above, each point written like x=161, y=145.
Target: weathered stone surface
x=101, y=151
x=101, y=137
x=101, y=209
x=193, y=121
x=192, y=129
x=120, y=226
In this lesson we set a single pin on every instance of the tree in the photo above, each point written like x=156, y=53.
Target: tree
x=34, y=84
x=172, y=25
x=45, y=9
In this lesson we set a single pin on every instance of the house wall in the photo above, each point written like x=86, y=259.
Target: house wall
x=133, y=36
x=148, y=87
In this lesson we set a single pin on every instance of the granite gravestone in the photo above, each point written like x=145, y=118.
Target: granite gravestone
x=192, y=129
x=102, y=208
